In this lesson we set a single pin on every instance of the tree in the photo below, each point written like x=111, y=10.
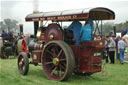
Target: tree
x=118, y=27
x=107, y=28
x=122, y=26
x=2, y=26
x=11, y=24
x=8, y=25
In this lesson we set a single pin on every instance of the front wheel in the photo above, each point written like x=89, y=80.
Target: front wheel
x=23, y=63
x=58, y=60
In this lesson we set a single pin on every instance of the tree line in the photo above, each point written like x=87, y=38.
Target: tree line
x=9, y=24
x=109, y=27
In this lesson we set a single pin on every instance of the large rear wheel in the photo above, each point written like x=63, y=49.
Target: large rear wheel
x=58, y=60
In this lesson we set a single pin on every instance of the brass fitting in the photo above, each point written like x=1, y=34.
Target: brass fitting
x=51, y=37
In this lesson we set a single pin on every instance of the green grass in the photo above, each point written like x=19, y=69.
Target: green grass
x=9, y=75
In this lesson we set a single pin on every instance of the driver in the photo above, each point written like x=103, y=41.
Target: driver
x=4, y=36
x=75, y=27
x=10, y=36
x=85, y=32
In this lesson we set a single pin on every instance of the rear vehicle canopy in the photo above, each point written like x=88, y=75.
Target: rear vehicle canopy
x=98, y=13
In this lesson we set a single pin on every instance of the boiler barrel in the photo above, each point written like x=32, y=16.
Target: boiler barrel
x=35, y=46
x=31, y=46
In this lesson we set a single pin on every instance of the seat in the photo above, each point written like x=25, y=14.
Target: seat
x=68, y=37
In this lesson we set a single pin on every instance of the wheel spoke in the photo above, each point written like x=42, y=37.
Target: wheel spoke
x=47, y=63
x=60, y=72
x=20, y=63
x=60, y=53
x=64, y=64
x=54, y=53
x=62, y=67
x=50, y=53
x=56, y=48
x=53, y=70
x=50, y=57
x=22, y=60
x=62, y=60
x=52, y=66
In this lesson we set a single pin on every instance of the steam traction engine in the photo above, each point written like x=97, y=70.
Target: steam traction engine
x=54, y=47
x=13, y=47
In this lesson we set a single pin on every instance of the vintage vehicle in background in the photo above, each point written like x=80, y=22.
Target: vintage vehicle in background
x=12, y=48
x=54, y=47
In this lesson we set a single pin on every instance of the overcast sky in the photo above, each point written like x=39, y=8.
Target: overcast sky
x=18, y=9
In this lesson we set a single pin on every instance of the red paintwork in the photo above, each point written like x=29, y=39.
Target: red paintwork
x=42, y=37
x=24, y=46
x=36, y=53
x=85, y=58
x=5, y=57
x=76, y=51
x=38, y=46
x=55, y=30
x=61, y=18
x=100, y=13
x=86, y=62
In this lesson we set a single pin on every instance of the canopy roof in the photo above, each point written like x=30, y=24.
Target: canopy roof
x=98, y=13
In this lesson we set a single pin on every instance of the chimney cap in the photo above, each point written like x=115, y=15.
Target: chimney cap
x=34, y=12
x=20, y=24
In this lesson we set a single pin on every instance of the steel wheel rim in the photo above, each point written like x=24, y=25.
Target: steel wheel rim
x=55, y=63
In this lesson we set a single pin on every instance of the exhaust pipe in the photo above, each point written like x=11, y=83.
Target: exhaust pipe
x=36, y=24
x=21, y=28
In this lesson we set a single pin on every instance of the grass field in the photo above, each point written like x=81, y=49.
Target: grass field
x=9, y=75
